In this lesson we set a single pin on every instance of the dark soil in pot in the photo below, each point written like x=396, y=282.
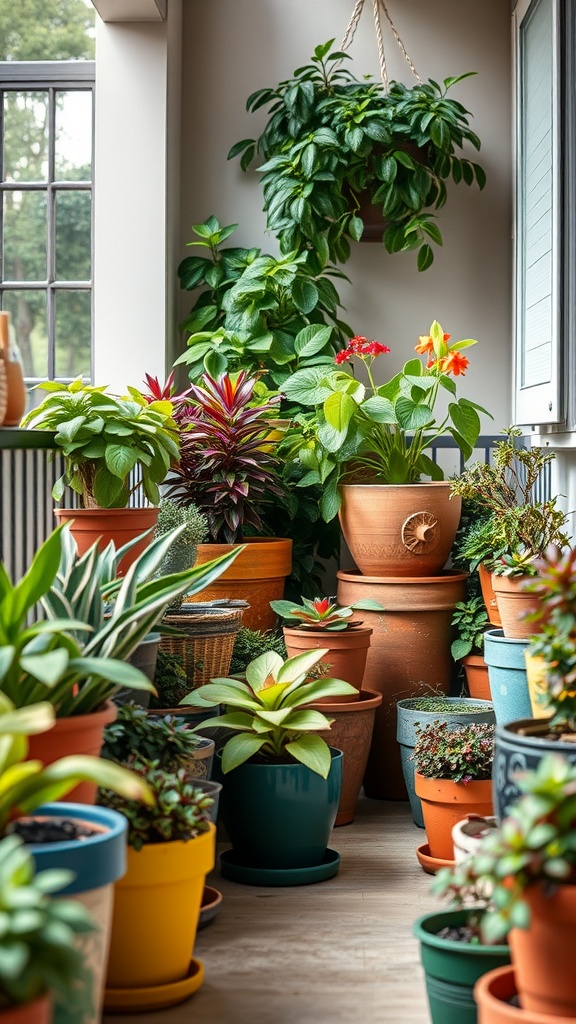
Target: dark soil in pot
x=51, y=830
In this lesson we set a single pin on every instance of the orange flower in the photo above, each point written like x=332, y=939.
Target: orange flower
x=454, y=363
x=425, y=344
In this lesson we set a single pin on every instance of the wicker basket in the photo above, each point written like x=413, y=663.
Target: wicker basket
x=206, y=648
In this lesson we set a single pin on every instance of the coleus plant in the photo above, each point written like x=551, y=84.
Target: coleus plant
x=323, y=613
x=226, y=468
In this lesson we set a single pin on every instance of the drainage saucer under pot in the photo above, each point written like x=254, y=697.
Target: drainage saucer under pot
x=156, y=997
x=233, y=868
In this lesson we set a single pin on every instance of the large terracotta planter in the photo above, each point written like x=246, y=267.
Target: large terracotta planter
x=347, y=653
x=38, y=1012
x=495, y=994
x=351, y=732
x=257, y=576
x=477, y=679
x=399, y=529
x=79, y=734
x=119, y=525
x=543, y=954
x=513, y=605
x=409, y=656
x=444, y=803
x=488, y=595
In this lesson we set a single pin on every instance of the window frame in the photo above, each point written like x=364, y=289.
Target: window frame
x=53, y=77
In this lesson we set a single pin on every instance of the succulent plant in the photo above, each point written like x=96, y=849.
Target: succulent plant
x=323, y=613
x=135, y=735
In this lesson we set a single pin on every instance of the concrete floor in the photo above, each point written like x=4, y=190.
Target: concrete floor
x=331, y=953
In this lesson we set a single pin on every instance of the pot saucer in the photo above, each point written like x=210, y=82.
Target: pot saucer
x=431, y=864
x=210, y=906
x=155, y=997
x=233, y=868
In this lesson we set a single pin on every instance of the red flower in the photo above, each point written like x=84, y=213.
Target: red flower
x=359, y=346
x=454, y=363
x=425, y=344
x=321, y=606
x=343, y=356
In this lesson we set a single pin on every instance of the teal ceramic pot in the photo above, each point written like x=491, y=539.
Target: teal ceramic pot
x=516, y=752
x=410, y=718
x=279, y=815
x=452, y=968
x=507, y=674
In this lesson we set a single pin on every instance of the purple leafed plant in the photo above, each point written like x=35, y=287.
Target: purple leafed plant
x=226, y=466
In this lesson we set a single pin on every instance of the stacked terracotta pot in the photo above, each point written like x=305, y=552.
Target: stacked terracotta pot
x=400, y=536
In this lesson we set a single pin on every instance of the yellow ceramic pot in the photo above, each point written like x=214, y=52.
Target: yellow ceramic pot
x=156, y=908
x=536, y=673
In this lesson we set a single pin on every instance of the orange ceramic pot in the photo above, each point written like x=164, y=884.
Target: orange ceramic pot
x=488, y=595
x=37, y=1012
x=543, y=954
x=476, y=671
x=445, y=803
x=119, y=525
x=347, y=653
x=409, y=655
x=257, y=576
x=399, y=529
x=79, y=734
x=514, y=604
x=494, y=993
x=350, y=732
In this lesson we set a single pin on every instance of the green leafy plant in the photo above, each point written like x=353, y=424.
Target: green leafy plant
x=135, y=735
x=250, y=643
x=103, y=438
x=533, y=845
x=470, y=618
x=74, y=658
x=180, y=810
x=461, y=754
x=381, y=431
x=170, y=680
x=323, y=613
x=331, y=137
x=269, y=714
x=182, y=553
x=37, y=943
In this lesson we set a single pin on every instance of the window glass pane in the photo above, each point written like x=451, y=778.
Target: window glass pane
x=73, y=229
x=73, y=143
x=24, y=242
x=72, y=333
x=25, y=136
x=28, y=312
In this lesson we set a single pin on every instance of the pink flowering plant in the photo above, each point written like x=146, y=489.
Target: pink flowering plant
x=461, y=755
x=379, y=433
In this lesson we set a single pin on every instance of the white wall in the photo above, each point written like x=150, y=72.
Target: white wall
x=233, y=47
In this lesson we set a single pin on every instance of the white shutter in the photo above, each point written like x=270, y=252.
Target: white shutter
x=538, y=398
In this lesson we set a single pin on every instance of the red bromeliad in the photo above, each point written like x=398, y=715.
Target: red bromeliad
x=323, y=613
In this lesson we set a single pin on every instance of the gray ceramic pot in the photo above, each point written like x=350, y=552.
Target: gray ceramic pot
x=516, y=752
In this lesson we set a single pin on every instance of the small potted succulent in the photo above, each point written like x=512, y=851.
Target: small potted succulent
x=105, y=438
x=453, y=778
x=322, y=623
x=274, y=756
x=171, y=848
x=228, y=472
x=167, y=739
x=470, y=619
x=530, y=863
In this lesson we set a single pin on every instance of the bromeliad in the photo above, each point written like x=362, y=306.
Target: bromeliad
x=323, y=613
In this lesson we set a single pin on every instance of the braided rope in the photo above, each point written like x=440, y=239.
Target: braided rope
x=352, y=24
x=350, y=32
x=381, y=54
x=400, y=43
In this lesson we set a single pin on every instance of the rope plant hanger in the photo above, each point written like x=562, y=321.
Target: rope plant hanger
x=337, y=150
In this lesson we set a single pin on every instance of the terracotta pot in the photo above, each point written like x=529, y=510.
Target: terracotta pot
x=488, y=595
x=79, y=734
x=494, y=993
x=445, y=803
x=351, y=732
x=347, y=653
x=476, y=671
x=543, y=954
x=399, y=529
x=119, y=525
x=38, y=1012
x=514, y=604
x=257, y=576
x=409, y=655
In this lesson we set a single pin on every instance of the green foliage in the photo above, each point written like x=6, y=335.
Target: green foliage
x=331, y=137
x=170, y=516
x=323, y=613
x=271, y=717
x=103, y=438
x=534, y=845
x=470, y=618
x=554, y=637
x=75, y=658
x=250, y=643
x=37, y=942
x=41, y=30
x=170, y=680
x=136, y=735
x=461, y=754
x=180, y=811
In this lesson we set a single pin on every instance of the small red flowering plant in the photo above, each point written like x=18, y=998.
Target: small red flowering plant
x=462, y=755
x=379, y=433
x=323, y=613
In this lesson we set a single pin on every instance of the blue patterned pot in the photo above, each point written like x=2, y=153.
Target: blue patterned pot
x=507, y=674
x=515, y=753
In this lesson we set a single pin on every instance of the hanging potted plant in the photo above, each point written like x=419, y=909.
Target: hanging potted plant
x=470, y=619
x=105, y=438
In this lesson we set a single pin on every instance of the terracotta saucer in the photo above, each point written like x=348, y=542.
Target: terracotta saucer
x=156, y=997
x=210, y=906
x=431, y=864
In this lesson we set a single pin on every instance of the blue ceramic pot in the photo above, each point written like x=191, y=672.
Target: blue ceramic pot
x=411, y=718
x=507, y=674
x=279, y=815
x=515, y=752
